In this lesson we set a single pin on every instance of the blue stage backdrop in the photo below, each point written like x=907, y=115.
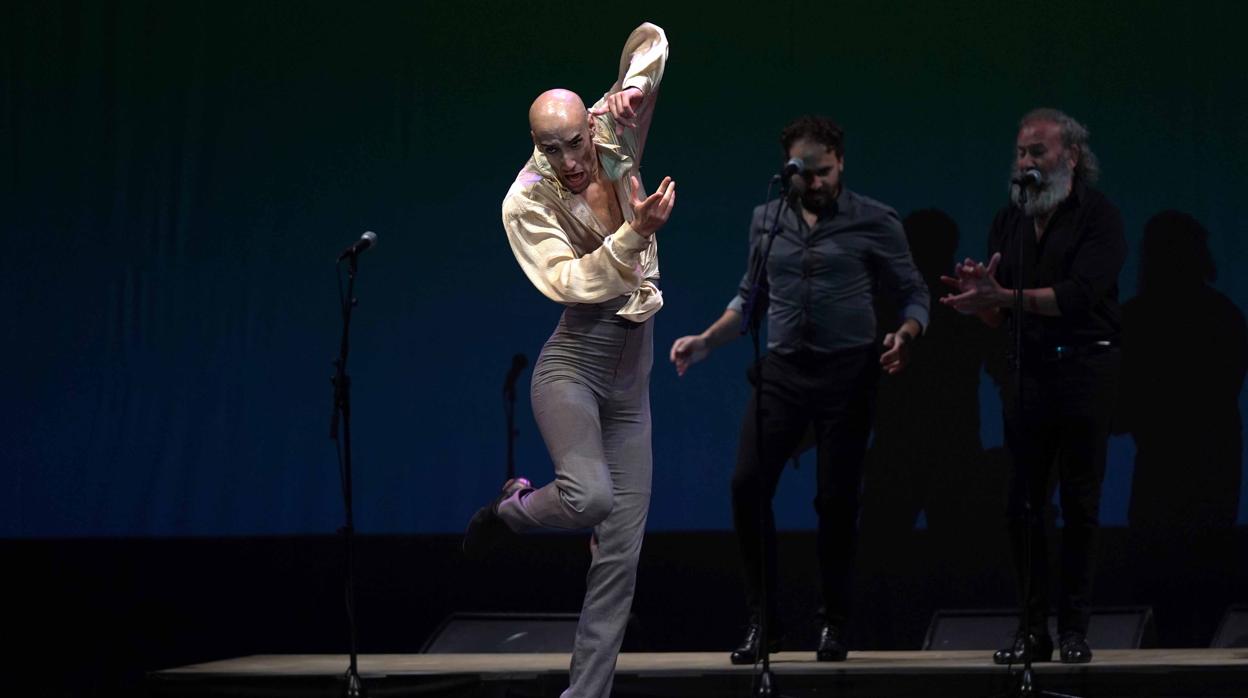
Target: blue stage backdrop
x=177, y=178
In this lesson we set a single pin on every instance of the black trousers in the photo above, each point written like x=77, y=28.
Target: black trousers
x=836, y=395
x=1062, y=430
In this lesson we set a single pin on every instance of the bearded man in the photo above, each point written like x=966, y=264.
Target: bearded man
x=834, y=251
x=1065, y=240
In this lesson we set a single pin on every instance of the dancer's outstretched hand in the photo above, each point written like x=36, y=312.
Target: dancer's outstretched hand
x=651, y=213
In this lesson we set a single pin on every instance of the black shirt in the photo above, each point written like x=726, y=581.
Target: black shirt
x=1079, y=255
x=822, y=280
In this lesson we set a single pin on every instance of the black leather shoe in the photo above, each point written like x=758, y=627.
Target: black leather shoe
x=747, y=652
x=831, y=647
x=1041, y=647
x=1074, y=648
x=485, y=529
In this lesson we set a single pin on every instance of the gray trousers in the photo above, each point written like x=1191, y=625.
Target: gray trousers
x=591, y=400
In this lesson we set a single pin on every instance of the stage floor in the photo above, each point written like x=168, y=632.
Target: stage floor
x=1174, y=672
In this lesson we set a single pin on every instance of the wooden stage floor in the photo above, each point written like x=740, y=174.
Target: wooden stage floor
x=1172, y=673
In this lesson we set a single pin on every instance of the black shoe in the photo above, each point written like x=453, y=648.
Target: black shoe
x=831, y=647
x=747, y=652
x=1041, y=647
x=485, y=529
x=1074, y=648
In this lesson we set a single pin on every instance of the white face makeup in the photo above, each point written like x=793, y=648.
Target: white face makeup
x=570, y=151
x=561, y=131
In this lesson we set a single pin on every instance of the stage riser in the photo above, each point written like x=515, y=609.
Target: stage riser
x=94, y=615
x=1210, y=682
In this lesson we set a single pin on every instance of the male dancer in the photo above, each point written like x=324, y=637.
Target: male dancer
x=584, y=233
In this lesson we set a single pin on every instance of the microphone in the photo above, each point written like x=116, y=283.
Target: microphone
x=367, y=240
x=518, y=362
x=1030, y=177
x=792, y=167
x=791, y=181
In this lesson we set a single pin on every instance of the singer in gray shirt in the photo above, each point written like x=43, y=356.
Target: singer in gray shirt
x=834, y=251
x=823, y=278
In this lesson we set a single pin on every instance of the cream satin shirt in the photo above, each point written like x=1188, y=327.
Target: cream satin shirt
x=560, y=244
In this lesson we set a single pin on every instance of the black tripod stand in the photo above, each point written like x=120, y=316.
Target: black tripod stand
x=1027, y=685
x=751, y=321
x=353, y=687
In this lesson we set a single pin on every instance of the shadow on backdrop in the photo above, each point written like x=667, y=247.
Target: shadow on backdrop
x=1185, y=349
x=926, y=456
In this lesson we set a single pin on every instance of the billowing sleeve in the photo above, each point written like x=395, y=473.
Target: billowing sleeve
x=641, y=66
x=643, y=59
x=550, y=262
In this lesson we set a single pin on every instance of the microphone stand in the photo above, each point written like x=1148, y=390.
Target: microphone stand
x=765, y=685
x=1027, y=684
x=518, y=362
x=354, y=687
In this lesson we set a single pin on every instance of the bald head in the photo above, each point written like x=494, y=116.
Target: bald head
x=554, y=110
x=561, y=131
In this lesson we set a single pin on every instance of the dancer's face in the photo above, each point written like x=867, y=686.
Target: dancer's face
x=562, y=132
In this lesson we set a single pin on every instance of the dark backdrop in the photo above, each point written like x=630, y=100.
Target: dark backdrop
x=177, y=176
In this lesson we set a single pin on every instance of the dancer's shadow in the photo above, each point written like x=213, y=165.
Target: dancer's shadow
x=926, y=455
x=1185, y=350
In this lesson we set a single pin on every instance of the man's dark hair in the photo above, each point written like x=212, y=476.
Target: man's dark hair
x=819, y=129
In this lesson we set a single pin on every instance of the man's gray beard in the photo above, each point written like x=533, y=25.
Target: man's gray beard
x=1055, y=190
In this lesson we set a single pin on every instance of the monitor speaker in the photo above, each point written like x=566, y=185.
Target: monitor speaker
x=1233, y=630
x=503, y=632
x=989, y=629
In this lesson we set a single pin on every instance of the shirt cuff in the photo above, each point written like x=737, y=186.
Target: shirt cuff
x=641, y=82
x=917, y=313
x=737, y=303
x=628, y=242
x=624, y=246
